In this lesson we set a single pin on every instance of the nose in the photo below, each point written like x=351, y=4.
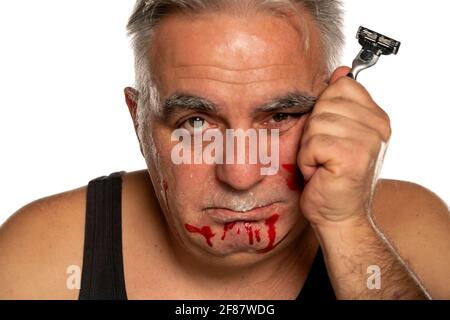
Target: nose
x=238, y=171
x=250, y=157
x=240, y=177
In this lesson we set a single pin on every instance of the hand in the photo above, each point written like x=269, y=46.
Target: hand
x=340, y=150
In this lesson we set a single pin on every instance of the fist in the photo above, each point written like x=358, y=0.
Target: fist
x=341, y=150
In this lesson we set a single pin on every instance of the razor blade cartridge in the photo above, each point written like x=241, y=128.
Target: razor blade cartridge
x=373, y=45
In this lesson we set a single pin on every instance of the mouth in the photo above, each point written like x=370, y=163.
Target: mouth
x=226, y=215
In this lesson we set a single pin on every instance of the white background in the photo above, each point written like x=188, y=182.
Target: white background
x=64, y=64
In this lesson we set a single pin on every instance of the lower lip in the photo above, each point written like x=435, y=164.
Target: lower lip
x=258, y=233
x=226, y=216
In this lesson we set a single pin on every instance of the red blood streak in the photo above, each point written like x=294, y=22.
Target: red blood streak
x=295, y=181
x=271, y=232
x=204, y=231
x=248, y=227
x=238, y=230
x=226, y=227
x=258, y=238
x=166, y=187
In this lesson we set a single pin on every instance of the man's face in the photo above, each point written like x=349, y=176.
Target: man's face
x=238, y=64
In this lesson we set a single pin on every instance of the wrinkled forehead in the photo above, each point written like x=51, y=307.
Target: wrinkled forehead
x=202, y=44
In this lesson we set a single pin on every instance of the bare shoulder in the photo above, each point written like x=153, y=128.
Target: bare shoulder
x=417, y=223
x=42, y=243
x=39, y=243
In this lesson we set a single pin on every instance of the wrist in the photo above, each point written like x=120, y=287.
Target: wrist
x=351, y=231
x=352, y=222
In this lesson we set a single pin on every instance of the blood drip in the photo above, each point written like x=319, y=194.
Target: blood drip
x=226, y=227
x=238, y=230
x=248, y=227
x=257, y=236
x=204, y=231
x=271, y=232
x=296, y=180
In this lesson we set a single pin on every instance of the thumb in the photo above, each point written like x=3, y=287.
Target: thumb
x=339, y=73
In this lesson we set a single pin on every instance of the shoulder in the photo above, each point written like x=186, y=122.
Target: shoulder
x=42, y=243
x=39, y=243
x=417, y=223
x=400, y=205
x=402, y=193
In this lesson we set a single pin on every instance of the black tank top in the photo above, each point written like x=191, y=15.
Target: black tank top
x=103, y=274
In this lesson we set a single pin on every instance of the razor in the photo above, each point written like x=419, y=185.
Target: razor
x=373, y=45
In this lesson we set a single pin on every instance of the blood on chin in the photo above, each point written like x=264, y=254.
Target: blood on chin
x=261, y=235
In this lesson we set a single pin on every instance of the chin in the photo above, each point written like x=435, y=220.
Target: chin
x=242, y=242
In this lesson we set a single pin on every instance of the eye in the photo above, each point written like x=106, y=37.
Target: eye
x=282, y=121
x=195, y=123
x=280, y=117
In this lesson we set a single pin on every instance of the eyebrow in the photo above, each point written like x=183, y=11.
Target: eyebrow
x=297, y=101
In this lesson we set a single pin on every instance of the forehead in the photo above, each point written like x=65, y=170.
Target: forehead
x=223, y=49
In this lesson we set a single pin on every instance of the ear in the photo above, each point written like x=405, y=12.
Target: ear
x=131, y=98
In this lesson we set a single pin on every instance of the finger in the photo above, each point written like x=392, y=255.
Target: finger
x=319, y=150
x=340, y=126
x=339, y=73
x=338, y=156
x=374, y=118
x=347, y=88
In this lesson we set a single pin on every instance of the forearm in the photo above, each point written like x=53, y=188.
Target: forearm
x=351, y=250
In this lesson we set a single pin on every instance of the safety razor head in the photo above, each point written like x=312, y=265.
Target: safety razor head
x=379, y=43
x=373, y=45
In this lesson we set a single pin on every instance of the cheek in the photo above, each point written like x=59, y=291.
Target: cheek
x=192, y=179
x=289, y=149
x=290, y=142
x=184, y=187
x=157, y=155
x=294, y=180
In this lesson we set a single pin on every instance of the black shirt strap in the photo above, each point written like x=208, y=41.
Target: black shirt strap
x=103, y=274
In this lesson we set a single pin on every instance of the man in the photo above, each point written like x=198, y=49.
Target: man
x=225, y=230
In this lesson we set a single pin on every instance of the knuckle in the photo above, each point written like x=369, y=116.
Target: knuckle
x=384, y=125
x=320, y=105
x=324, y=117
x=348, y=87
x=332, y=103
x=340, y=100
x=344, y=83
x=382, y=114
x=387, y=132
x=380, y=121
x=388, y=126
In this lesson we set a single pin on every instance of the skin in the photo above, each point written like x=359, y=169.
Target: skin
x=245, y=62
x=245, y=70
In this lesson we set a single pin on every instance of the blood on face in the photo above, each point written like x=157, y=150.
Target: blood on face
x=207, y=233
x=295, y=180
x=226, y=227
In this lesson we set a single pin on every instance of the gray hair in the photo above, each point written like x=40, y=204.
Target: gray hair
x=147, y=14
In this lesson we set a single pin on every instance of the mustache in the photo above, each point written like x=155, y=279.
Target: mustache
x=241, y=202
